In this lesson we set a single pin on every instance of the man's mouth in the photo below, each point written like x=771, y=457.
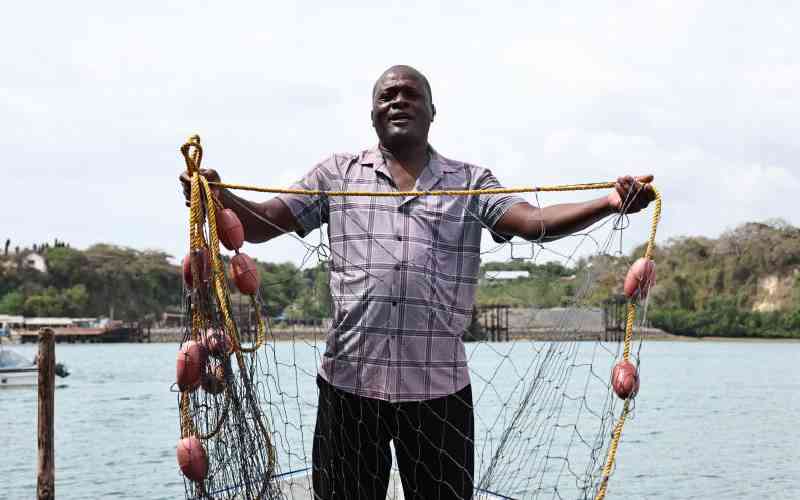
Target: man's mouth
x=400, y=118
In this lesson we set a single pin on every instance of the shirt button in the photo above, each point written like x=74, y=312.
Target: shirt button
x=397, y=267
x=399, y=238
x=394, y=303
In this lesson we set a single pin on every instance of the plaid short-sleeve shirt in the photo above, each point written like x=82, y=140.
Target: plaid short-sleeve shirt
x=403, y=272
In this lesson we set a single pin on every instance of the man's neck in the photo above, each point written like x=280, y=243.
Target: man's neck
x=412, y=159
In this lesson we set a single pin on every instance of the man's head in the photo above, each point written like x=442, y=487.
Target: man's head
x=402, y=107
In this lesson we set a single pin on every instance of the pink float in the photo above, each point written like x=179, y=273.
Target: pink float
x=230, y=229
x=190, y=363
x=218, y=344
x=192, y=458
x=245, y=274
x=625, y=379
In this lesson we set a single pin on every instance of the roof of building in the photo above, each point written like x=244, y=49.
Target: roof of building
x=507, y=275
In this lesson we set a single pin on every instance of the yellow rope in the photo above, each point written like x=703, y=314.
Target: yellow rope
x=626, y=354
x=262, y=329
x=196, y=243
x=447, y=192
x=198, y=213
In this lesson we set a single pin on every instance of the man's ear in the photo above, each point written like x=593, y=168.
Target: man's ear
x=433, y=111
x=372, y=117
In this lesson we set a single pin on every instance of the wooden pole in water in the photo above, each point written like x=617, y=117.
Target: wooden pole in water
x=45, y=481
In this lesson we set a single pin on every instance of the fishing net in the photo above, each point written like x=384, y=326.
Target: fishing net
x=541, y=348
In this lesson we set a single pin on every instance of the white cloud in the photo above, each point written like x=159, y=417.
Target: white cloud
x=95, y=101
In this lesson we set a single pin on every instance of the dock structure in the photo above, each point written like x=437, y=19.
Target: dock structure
x=614, y=316
x=108, y=331
x=493, y=322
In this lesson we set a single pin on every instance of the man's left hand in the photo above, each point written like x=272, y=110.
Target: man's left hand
x=631, y=194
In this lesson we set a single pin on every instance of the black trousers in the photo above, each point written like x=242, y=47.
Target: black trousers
x=433, y=441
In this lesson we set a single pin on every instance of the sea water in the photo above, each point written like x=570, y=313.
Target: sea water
x=713, y=419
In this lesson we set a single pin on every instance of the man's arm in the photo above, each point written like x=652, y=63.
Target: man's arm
x=556, y=221
x=261, y=221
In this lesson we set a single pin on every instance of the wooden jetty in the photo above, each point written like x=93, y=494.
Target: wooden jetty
x=114, y=331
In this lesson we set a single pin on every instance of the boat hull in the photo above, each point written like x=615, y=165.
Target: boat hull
x=18, y=377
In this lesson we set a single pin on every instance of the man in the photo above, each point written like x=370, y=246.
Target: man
x=403, y=279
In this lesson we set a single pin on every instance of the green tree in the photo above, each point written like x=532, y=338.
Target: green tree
x=46, y=303
x=75, y=299
x=12, y=303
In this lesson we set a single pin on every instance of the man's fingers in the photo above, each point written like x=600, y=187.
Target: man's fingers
x=210, y=174
x=645, y=179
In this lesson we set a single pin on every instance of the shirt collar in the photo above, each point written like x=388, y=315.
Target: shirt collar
x=437, y=166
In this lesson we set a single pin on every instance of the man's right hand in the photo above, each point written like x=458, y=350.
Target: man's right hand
x=185, y=181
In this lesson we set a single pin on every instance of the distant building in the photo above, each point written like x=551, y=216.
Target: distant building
x=495, y=276
x=35, y=261
x=37, y=323
x=7, y=323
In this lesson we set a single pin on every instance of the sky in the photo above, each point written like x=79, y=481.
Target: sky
x=96, y=98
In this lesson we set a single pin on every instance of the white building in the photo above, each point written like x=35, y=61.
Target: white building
x=9, y=322
x=35, y=261
x=491, y=276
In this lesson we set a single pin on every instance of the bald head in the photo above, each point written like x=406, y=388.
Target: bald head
x=408, y=71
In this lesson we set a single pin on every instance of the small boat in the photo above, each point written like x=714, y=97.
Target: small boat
x=17, y=371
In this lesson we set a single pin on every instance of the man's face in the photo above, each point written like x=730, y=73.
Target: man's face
x=401, y=109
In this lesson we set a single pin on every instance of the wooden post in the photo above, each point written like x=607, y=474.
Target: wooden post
x=45, y=482
x=508, y=333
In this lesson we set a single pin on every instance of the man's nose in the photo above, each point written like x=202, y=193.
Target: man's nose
x=400, y=100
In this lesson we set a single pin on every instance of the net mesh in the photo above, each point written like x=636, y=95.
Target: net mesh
x=537, y=424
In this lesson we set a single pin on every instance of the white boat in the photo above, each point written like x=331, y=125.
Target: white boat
x=18, y=371
x=16, y=377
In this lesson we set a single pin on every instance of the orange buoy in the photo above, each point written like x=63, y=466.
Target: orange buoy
x=245, y=274
x=191, y=361
x=192, y=458
x=213, y=382
x=218, y=344
x=625, y=379
x=201, y=261
x=640, y=278
x=230, y=228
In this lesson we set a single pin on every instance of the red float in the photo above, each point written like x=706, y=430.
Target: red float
x=192, y=458
x=230, y=229
x=191, y=361
x=218, y=344
x=213, y=382
x=625, y=379
x=201, y=260
x=640, y=278
x=245, y=274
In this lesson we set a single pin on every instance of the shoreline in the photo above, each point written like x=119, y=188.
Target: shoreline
x=317, y=336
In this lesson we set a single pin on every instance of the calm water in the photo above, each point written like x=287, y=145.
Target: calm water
x=713, y=420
